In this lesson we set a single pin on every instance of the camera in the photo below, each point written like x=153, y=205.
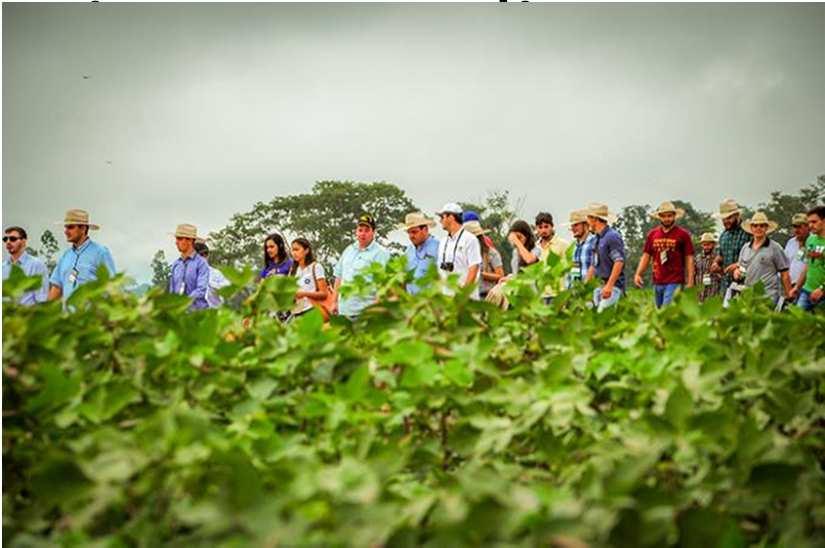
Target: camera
x=447, y=266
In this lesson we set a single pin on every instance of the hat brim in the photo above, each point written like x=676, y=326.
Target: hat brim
x=571, y=223
x=772, y=226
x=678, y=211
x=90, y=225
x=187, y=236
x=610, y=218
x=722, y=216
x=404, y=226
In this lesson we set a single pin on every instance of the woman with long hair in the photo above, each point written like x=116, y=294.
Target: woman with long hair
x=312, y=284
x=492, y=267
x=526, y=249
x=276, y=258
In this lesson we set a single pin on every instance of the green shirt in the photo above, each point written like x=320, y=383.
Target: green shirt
x=816, y=266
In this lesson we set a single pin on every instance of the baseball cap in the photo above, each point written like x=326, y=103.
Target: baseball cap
x=451, y=207
x=366, y=219
x=471, y=216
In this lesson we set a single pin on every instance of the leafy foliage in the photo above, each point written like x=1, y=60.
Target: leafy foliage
x=161, y=270
x=434, y=420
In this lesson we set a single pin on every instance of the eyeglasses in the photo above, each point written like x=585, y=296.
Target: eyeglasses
x=11, y=239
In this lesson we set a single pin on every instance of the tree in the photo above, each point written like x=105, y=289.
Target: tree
x=326, y=217
x=782, y=207
x=497, y=214
x=49, y=248
x=160, y=269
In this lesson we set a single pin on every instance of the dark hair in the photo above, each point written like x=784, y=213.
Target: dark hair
x=310, y=256
x=819, y=211
x=485, y=249
x=20, y=232
x=279, y=241
x=544, y=217
x=459, y=217
x=201, y=248
x=523, y=228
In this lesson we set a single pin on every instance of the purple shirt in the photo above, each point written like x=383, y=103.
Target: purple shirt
x=190, y=277
x=273, y=269
x=608, y=247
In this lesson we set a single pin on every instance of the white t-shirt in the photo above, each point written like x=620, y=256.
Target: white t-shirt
x=306, y=282
x=463, y=250
x=216, y=281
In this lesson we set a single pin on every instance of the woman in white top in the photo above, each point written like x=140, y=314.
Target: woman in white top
x=526, y=250
x=312, y=284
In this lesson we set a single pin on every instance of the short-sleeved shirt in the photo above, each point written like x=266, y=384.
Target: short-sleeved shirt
x=581, y=257
x=669, y=251
x=190, y=277
x=352, y=261
x=77, y=266
x=796, y=256
x=419, y=259
x=608, y=248
x=515, y=260
x=462, y=250
x=730, y=244
x=815, y=244
x=307, y=279
x=490, y=264
x=277, y=269
x=217, y=281
x=31, y=266
x=763, y=265
x=557, y=246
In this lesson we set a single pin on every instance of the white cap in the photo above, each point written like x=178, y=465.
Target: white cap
x=451, y=207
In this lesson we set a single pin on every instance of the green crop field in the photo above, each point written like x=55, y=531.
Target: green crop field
x=435, y=421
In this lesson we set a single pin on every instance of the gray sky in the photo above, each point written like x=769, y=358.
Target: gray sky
x=204, y=109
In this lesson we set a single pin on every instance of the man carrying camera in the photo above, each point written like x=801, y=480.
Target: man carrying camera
x=460, y=252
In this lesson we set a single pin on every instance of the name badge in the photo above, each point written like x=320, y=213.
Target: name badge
x=73, y=276
x=576, y=271
x=800, y=254
x=181, y=288
x=663, y=256
x=706, y=279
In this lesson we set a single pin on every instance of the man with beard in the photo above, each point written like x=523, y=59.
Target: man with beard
x=15, y=238
x=731, y=241
x=671, y=249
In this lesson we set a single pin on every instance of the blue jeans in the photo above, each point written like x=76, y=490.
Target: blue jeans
x=600, y=303
x=665, y=293
x=805, y=303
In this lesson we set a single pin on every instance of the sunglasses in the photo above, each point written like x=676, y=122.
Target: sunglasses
x=11, y=239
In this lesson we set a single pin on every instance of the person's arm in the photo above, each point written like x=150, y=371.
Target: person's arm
x=607, y=290
x=42, y=294
x=785, y=276
x=472, y=274
x=590, y=273
x=800, y=282
x=640, y=270
x=495, y=275
x=55, y=283
x=108, y=261
x=526, y=255
x=690, y=262
x=202, y=282
x=55, y=292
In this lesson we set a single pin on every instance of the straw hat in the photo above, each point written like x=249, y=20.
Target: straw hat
x=668, y=207
x=708, y=237
x=727, y=208
x=600, y=211
x=577, y=216
x=474, y=228
x=799, y=219
x=186, y=231
x=78, y=217
x=759, y=218
x=416, y=218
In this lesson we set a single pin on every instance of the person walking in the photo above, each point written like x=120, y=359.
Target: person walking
x=492, y=267
x=460, y=252
x=795, y=246
x=708, y=276
x=581, y=253
x=217, y=280
x=422, y=251
x=190, y=272
x=810, y=288
x=276, y=257
x=550, y=243
x=16, y=241
x=763, y=260
x=670, y=248
x=608, y=257
x=526, y=250
x=311, y=278
x=358, y=256
x=79, y=264
x=731, y=241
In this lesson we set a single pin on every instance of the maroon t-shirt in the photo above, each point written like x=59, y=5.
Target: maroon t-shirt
x=668, y=251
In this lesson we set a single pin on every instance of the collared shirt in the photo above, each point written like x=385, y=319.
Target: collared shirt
x=796, y=255
x=581, y=256
x=557, y=246
x=352, y=261
x=730, y=244
x=608, y=248
x=763, y=265
x=815, y=259
x=190, y=277
x=710, y=283
x=419, y=259
x=31, y=266
x=77, y=266
x=463, y=250
x=276, y=269
x=216, y=281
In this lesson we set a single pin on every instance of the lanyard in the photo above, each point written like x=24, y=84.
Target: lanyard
x=76, y=259
x=455, y=247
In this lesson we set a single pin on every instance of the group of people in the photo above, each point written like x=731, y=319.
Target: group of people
x=742, y=256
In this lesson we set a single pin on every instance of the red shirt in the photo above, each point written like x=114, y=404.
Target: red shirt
x=668, y=251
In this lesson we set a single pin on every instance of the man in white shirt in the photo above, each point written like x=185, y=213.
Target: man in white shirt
x=217, y=280
x=460, y=252
x=795, y=248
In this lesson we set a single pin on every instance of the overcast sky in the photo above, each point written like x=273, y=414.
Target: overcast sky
x=193, y=112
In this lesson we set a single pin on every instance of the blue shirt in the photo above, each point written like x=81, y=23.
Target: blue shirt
x=582, y=258
x=276, y=269
x=353, y=260
x=77, y=266
x=31, y=266
x=190, y=277
x=608, y=247
x=419, y=259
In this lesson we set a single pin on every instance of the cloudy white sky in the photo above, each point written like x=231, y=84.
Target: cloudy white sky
x=193, y=112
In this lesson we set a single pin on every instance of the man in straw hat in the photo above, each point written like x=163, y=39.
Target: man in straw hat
x=190, y=272
x=708, y=277
x=811, y=285
x=795, y=246
x=78, y=264
x=763, y=260
x=670, y=248
x=422, y=252
x=458, y=253
x=608, y=257
x=732, y=239
x=581, y=253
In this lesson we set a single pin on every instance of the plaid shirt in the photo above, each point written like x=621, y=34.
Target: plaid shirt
x=703, y=264
x=730, y=244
